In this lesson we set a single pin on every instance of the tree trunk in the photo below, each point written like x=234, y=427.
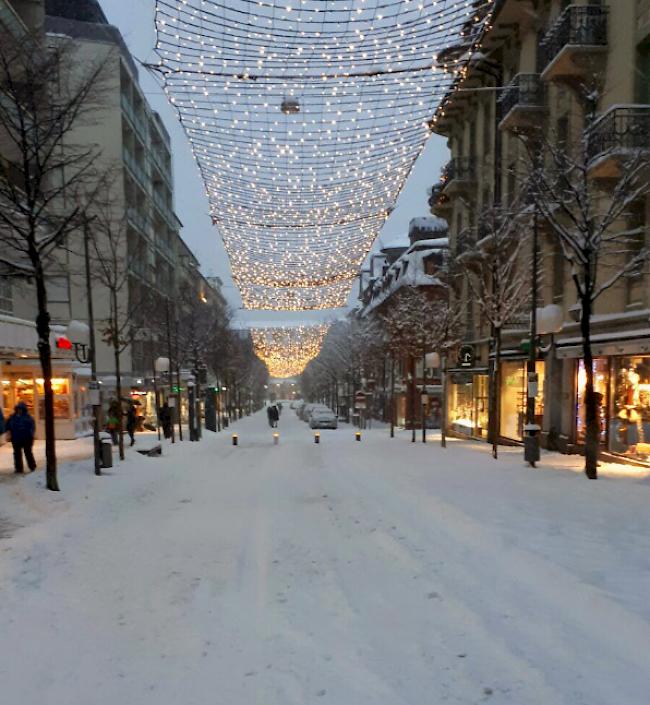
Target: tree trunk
x=443, y=410
x=392, y=396
x=180, y=398
x=413, y=400
x=592, y=420
x=496, y=388
x=118, y=393
x=118, y=371
x=424, y=391
x=45, y=356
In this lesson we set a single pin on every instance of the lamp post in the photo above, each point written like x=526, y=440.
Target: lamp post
x=191, y=407
x=82, y=337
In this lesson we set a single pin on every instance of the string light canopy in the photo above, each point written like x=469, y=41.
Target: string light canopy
x=287, y=350
x=305, y=118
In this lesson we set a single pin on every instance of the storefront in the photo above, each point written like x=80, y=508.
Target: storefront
x=513, y=398
x=467, y=402
x=622, y=387
x=21, y=381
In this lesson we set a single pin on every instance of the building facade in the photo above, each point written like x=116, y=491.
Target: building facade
x=527, y=84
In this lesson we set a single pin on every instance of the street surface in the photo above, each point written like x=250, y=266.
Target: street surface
x=371, y=573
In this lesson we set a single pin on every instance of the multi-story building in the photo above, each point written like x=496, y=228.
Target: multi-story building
x=135, y=153
x=528, y=83
x=418, y=262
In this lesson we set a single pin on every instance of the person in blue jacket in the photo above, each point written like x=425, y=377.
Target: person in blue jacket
x=21, y=426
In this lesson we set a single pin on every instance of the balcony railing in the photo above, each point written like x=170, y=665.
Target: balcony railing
x=578, y=25
x=461, y=168
x=526, y=90
x=135, y=120
x=623, y=128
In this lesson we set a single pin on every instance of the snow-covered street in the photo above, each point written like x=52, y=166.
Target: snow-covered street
x=379, y=572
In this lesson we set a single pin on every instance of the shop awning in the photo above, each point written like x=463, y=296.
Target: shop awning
x=18, y=337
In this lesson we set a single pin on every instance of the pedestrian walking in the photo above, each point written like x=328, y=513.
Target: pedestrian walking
x=114, y=420
x=165, y=417
x=269, y=414
x=21, y=426
x=274, y=415
x=131, y=421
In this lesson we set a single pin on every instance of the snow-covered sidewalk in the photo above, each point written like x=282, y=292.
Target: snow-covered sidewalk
x=381, y=572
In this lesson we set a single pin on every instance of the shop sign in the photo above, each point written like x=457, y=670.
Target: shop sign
x=533, y=384
x=466, y=356
x=93, y=393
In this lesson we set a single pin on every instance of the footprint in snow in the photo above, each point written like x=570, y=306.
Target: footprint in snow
x=433, y=595
x=320, y=693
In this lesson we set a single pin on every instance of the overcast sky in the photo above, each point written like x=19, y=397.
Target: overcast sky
x=135, y=19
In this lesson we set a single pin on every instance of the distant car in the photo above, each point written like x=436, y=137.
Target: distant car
x=323, y=418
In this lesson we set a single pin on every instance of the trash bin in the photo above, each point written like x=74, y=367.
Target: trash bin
x=531, y=443
x=106, y=452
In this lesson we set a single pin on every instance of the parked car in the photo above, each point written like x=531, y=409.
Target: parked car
x=323, y=418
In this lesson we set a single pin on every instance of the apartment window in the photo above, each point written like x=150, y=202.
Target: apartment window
x=58, y=290
x=487, y=128
x=558, y=272
x=643, y=73
x=6, y=299
x=563, y=134
x=634, y=280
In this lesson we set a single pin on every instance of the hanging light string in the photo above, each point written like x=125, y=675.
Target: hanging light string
x=305, y=119
x=287, y=350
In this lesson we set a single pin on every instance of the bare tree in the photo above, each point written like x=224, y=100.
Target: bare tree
x=498, y=283
x=112, y=262
x=411, y=327
x=47, y=93
x=599, y=236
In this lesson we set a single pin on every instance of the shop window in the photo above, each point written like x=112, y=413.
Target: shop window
x=61, y=391
x=601, y=383
x=514, y=397
x=629, y=431
x=6, y=299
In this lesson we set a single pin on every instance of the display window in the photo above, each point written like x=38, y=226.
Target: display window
x=61, y=392
x=467, y=411
x=514, y=397
x=629, y=431
x=601, y=384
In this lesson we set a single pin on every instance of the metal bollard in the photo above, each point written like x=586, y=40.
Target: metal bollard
x=357, y=435
x=276, y=439
x=235, y=439
x=317, y=437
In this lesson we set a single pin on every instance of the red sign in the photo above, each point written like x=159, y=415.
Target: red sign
x=63, y=343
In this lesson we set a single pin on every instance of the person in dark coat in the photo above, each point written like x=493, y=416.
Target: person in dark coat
x=165, y=417
x=131, y=422
x=274, y=416
x=21, y=426
x=269, y=414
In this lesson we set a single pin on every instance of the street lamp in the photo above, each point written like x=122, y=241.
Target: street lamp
x=78, y=333
x=82, y=337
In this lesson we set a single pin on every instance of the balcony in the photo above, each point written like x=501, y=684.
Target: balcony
x=574, y=43
x=139, y=221
x=522, y=102
x=136, y=169
x=459, y=175
x=136, y=121
x=439, y=202
x=617, y=136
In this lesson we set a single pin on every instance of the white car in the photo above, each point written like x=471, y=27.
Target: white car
x=323, y=418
